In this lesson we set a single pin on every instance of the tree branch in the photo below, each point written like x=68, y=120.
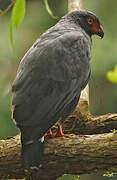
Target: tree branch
x=98, y=151
x=2, y=12
x=74, y=5
x=85, y=123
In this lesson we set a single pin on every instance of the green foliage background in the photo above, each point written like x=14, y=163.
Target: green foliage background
x=103, y=94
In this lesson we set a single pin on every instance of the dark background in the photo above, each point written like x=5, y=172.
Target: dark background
x=103, y=96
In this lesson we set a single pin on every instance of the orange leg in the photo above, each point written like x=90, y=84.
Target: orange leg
x=59, y=132
x=50, y=133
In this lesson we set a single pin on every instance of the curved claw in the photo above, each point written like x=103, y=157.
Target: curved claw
x=59, y=132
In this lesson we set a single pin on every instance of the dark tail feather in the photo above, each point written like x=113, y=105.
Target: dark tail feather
x=32, y=154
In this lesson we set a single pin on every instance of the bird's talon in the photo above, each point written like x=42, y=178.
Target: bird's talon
x=58, y=134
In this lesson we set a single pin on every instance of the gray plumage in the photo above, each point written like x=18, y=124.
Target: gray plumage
x=50, y=79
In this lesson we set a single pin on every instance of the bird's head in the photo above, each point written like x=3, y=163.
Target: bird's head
x=88, y=21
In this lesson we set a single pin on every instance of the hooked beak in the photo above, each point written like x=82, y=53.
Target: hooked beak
x=100, y=32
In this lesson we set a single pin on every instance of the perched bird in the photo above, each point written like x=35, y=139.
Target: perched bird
x=50, y=79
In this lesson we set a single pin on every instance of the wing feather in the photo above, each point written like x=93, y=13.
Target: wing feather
x=48, y=79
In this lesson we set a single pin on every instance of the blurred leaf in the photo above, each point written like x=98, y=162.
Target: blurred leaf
x=49, y=10
x=17, y=16
x=7, y=90
x=76, y=177
x=18, y=12
x=112, y=75
x=108, y=174
x=11, y=32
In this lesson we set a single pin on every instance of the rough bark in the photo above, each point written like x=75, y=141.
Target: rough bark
x=70, y=154
x=82, y=122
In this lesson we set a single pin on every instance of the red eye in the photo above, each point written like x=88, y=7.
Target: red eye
x=90, y=21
